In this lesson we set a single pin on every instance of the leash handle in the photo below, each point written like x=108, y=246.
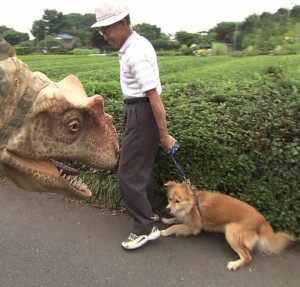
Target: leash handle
x=172, y=152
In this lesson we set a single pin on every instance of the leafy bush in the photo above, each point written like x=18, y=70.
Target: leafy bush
x=242, y=139
x=219, y=49
x=237, y=120
x=25, y=48
x=282, y=50
x=184, y=50
x=294, y=47
x=251, y=51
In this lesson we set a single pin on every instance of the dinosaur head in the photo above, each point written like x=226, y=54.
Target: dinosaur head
x=48, y=121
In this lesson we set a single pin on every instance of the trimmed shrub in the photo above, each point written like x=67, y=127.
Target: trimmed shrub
x=237, y=120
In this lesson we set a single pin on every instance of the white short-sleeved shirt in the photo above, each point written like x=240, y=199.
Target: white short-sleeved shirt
x=138, y=67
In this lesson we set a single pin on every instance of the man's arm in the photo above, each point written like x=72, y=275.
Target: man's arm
x=167, y=141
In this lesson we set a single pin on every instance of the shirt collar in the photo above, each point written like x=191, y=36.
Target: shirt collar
x=128, y=42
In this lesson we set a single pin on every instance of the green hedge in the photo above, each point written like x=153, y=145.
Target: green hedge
x=237, y=137
x=237, y=120
x=244, y=142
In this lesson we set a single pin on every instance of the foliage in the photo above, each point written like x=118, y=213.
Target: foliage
x=224, y=32
x=295, y=48
x=268, y=31
x=151, y=32
x=282, y=50
x=54, y=22
x=184, y=50
x=265, y=32
x=251, y=51
x=218, y=49
x=25, y=48
x=12, y=36
x=50, y=45
x=237, y=120
x=107, y=195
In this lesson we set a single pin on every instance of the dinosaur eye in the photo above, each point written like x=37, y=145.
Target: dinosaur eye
x=74, y=125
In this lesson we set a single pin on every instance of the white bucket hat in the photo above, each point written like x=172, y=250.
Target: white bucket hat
x=109, y=13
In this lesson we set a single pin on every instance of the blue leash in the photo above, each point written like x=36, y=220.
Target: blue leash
x=171, y=153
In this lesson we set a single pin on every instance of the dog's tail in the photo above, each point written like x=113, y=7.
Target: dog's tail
x=274, y=242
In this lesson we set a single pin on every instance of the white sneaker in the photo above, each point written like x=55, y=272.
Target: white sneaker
x=135, y=241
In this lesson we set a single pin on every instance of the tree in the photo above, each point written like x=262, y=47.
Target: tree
x=249, y=24
x=80, y=27
x=224, y=32
x=56, y=22
x=295, y=12
x=265, y=19
x=164, y=43
x=38, y=30
x=49, y=44
x=151, y=32
x=52, y=23
x=185, y=38
x=282, y=15
x=12, y=36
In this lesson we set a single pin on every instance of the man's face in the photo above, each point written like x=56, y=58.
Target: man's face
x=114, y=34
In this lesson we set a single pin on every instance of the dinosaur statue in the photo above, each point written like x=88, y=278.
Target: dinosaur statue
x=42, y=121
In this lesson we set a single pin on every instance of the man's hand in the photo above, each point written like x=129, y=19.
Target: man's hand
x=167, y=142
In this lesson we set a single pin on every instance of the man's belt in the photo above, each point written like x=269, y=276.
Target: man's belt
x=136, y=100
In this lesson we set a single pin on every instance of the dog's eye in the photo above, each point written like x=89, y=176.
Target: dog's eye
x=177, y=201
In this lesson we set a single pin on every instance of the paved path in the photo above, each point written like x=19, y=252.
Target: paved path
x=48, y=241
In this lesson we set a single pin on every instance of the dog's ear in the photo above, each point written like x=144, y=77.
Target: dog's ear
x=170, y=183
x=185, y=187
x=184, y=184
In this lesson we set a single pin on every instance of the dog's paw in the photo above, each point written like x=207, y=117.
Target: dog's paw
x=233, y=265
x=167, y=220
x=164, y=232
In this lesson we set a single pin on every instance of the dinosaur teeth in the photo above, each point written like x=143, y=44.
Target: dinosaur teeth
x=74, y=181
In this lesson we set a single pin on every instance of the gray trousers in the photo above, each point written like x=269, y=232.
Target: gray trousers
x=140, y=141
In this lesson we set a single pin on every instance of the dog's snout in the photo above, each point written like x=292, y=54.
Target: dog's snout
x=168, y=210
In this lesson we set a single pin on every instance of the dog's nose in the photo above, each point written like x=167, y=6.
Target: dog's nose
x=168, y=210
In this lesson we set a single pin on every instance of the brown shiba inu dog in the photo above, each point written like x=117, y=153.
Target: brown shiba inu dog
x=244, y=227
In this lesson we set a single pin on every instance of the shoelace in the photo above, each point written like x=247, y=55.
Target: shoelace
x=132, y=236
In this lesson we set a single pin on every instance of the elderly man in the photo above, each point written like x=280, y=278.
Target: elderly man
x=145, y=120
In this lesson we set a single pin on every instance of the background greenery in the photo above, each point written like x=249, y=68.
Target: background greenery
x=237, y=120
x=266, y=33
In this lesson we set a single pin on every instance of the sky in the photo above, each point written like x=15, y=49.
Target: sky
x=169, y=15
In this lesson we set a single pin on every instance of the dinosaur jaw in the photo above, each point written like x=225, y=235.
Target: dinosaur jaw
x=43, y=175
